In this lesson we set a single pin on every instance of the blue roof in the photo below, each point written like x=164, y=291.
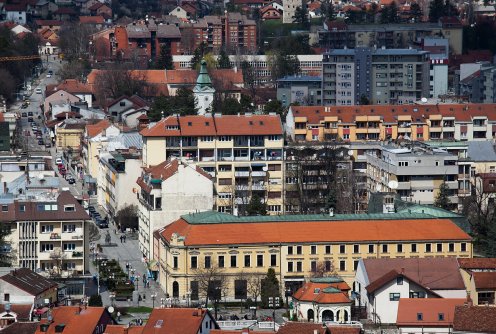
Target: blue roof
x=481, y=151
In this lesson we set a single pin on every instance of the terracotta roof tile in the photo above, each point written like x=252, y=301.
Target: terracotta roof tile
x=76, y=320
x=485, y=280
x=95, y=129
x=20, y=328
x=435, y=273
x=175, y=321
x=431, y=308
x=74, y=86
x=308, y=293
x=310, y=328
x=315, y=231
x=478, y=263
x=23, y=311
x=123, y=329
x=475, y=319
x=92, y=19
x=28, y=281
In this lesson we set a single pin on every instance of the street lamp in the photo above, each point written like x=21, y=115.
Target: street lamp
x=162, y=302
x=153, y=296
x=97, y=273
x=287, y=294
x=273, y=303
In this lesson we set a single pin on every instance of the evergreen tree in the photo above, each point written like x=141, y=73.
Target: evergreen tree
x=442, y=198
x=256, y=207
x=95, y=300
x=328, y=10
x=223, y=61
x=198, y=55
x=416, y=12
x=229, y=106
x=270, y=287
x=389, y=14
x=164, y=61
x=301, y=17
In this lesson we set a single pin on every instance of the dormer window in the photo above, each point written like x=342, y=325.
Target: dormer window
x=69, y=208
x=316, y=290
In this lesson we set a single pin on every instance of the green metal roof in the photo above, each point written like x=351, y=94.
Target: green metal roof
x=329, y=279
x=203, y=79
x=431, y=211
x=331, y=290
x=213, y=217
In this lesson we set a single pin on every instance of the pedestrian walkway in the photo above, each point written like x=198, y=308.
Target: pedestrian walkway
x=128, y=252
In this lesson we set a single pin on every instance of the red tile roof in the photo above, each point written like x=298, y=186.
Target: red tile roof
x=23, y=311
x=310, y=328
x=74, y=86
x=175, y=321
x=435, y=273
x=92, y=19
x=29, y=281
x=390, y=113
x=123, y=329
x=315, y=231
x=431, y=308
x=485, y=280
x=95, y=129
x=475, y=319
x=478, y=263
x=323, y=293
x=49, y=23
x=75, y=319
x=20, y=328
x=226, y=125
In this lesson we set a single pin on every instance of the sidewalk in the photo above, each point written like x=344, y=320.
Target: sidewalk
x=124, y=253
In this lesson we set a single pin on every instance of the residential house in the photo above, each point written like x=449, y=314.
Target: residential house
x=92, y=143
x=14, y=166
x=181, y=13
x=48, y=232
x=242, y=152
x=299, y=89
x=474, y=319
x=436, y=315
x=95, y=21
x=293, y=327
x=101, y=9
x=118, y=172
x=323, y=299
x=69, y=134
x=78, y=89
x=479, y=275
x=23, y=286
x=83, y=320
x=270, y=13
x=167, y=191
x=65, y=13
x=48, y=24
x=124, y=107
x=16, y=13
x=58, y=96
x=381, y=282
x=277, y=242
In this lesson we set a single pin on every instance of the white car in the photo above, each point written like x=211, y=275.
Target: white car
x=38, y=90
x=58, y=161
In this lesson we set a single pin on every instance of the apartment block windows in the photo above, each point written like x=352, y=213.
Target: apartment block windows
x=313, y=250
x=234, y=261
x=439, y=248
x=313, y=266
x=463, y=247
x=299, y=266
x=208, y=262
x=260, y=261
x=371, y=249
x=428, y=248
x=194, y=262
x=342, y=265
x=290, y=250
x=46, y=228
x=356, y=249
x=355, y=265
x=451, y=247
x=69, y=247
x=298, y=250
x=342, y=249
x=384, y=248
x=414, y=248
x=394, y=296
x=290, y=267
x=328, y=265
x=328, y=249
x=399, y=248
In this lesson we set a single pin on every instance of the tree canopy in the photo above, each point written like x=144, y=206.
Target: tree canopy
x=256, y=207
x=182, y=103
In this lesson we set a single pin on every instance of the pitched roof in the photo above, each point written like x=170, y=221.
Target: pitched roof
x=175, y=321
x=434, y=273
x=23, y=311
x=430, y=308
x=20, y=328
x=292, y=327
x=225, y=125
x=123, y=329
x=485, y=280
x=389, y=114
x=95, y=129
x=323, y=293
x=475, y=319
x=28, y=281
x=74, y=319
x=74, y=86
x=315, y=231
x=478, y=263
x=92, y=19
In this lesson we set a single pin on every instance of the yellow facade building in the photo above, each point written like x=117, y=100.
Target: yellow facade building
x=296, y=246
x=243, y=153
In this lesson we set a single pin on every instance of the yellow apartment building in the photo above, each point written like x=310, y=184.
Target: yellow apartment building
x=294, y=246
x=243, y=153
x=69, y=136
x=383, y=122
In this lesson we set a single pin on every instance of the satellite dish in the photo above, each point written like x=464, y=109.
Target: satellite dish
x=110, y=309
x=350, y=153
x=424, y=100
x=378, y=187
x=393, y=184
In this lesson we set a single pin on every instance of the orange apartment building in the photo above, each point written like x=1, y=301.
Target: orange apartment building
x=379, y=122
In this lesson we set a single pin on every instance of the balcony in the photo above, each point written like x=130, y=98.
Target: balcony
x=242, y=174
x=258, y=174
x=77, y=254
x=55, y=236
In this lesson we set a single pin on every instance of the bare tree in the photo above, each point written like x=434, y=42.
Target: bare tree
x=74, y=39
x=324, y=269
x=254, y=288
x=212, y=282
x=58, y=256
x=113, y=83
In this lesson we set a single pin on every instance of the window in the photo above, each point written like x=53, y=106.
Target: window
x=194, y=290
x=356, y=249
x=399, y=280
x=342, y=265
x=463, y=247
x=313, y=266
x=439, y=247
x=313, y=249
x=417, y=294
x=355, y=265
x=328, y=249
x=46, y=228
x=208, y=262
x=234, y=261
x=5, y=208
x=420, y=317
x=221, y=261
x=69, y=228
x=69, y=208
x=342, y=249
x=22, y=208
x=194, y=262
x=290, y=250
x=394, y=296
x=384, y=248
x=428, y=248
x=260, y=260
x=299, y=266
x=399, y=248
x=175, y=262
x=69, y=247
x=414, y=248
x=451, y=247
x=46, y=247
x=273, y=260
x=440, y=316
x=247, y=261
x=298, y=250
x=6, y=297
x=240, y=289
x=290, y=267
x=371, y=249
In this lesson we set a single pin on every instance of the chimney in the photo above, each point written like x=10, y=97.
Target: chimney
x=402, y=271
x=315, y=331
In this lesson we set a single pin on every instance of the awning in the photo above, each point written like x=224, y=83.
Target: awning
x=258, y=164
x=153, y=265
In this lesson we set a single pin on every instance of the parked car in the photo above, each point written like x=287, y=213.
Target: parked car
x=40, y=142
x=102, y=224
x=24, y=114
x=48, y=145
x=30, y=119
x=24, y=105
x=58, y=161
x=30, y=113
x=38, y=91
x=71, y=180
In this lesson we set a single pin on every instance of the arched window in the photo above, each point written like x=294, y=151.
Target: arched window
x=175, y=290
x=310, y=315
x=327, y=315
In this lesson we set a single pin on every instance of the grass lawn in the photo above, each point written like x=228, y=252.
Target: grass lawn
x=139, y=309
